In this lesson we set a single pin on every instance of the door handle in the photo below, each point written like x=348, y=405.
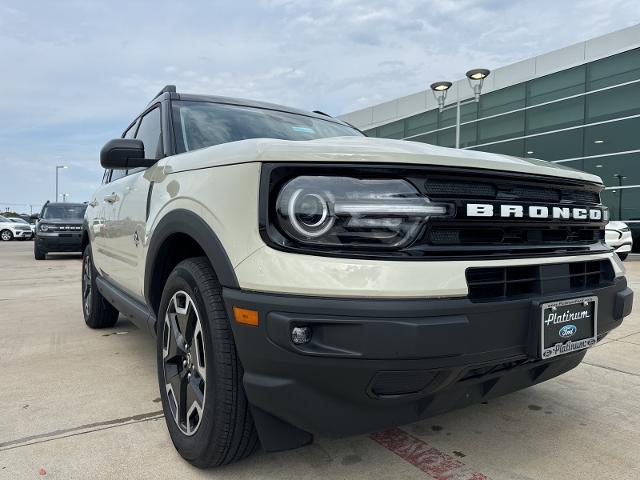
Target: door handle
x=113, y=198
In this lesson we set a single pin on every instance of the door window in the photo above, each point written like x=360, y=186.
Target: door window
x=150, y=132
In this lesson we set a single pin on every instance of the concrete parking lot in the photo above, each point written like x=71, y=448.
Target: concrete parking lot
x=80, y=403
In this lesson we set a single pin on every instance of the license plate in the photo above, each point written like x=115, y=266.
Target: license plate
x=568, y=325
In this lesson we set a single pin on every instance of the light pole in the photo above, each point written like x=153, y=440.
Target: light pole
x=620, y=179
x=64, y=196
x=58, y=168
x=475, y=78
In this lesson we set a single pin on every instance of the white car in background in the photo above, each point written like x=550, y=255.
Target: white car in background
x=18, y=229
x=618, y=236
x=22, y=221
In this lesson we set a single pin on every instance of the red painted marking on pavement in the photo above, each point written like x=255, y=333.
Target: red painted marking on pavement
x=428, y=459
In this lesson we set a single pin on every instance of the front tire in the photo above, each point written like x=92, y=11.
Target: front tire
x=199, y=373
x=623, y=256
x=38, y=253
x=98, y=313
x=6, y=235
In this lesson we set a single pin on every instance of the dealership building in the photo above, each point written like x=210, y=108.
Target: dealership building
x=578, y=106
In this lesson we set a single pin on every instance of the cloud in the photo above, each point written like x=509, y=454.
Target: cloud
x=75, y=73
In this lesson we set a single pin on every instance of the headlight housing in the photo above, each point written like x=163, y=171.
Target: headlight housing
x=353, y=213
x=43, y=227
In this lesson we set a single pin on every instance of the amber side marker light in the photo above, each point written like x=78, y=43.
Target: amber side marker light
x=245, y=316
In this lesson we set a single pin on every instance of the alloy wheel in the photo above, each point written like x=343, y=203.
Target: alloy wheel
x=6, y=235
x=184, y=365
x=87, y=290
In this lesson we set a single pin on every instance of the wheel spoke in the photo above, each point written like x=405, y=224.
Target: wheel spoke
x=86, y=284
x=194, y=402
x=197, y=350
x=174, y=343
x=175, y=388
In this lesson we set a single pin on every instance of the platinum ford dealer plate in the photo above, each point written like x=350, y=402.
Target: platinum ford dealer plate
x=568, y=325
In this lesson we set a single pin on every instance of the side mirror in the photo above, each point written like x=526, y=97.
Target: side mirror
x=124, y=153
x=35, y=216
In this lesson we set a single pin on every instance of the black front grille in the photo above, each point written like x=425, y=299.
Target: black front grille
x=504, y=190
x=465, y=235
x=499, y=283
x=512, y=235
x=392, y=383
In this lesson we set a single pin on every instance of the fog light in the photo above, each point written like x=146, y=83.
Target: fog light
x=300, y=335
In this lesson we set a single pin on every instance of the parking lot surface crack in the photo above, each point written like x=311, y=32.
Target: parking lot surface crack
x=80, y=430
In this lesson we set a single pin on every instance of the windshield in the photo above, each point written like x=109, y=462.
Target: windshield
x=203, y=124
x=19, y=220
x=64, y=212
x=3, y=219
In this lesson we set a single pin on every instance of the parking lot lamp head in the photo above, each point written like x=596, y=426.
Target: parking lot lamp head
x=439, y=90
x=476, y=78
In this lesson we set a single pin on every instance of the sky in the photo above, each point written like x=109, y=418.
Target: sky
x=75, y=73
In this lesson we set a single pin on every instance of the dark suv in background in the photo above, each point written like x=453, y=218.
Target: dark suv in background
x=59, y=229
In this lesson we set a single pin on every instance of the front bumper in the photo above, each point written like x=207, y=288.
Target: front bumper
x=626, y=248
x=374, y=363
x=622, y=242
x=22, y=234
x=59, y=242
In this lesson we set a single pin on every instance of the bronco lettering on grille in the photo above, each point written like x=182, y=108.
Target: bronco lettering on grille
x=534, y=211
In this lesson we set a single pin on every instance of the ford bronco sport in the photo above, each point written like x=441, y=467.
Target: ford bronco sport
x=59, y=229
x=302, y=279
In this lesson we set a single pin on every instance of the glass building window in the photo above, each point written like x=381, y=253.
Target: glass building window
x=501, y=127
x=392, y=130
x=555, y=115
x=468, y=112
x=424, y=122
x=468, y=134
x=431, y=138
x=615, y=170
x=447, y=137
x=613, y=103
x=503, y=100
x=557, y=85
x=448, y=117
x=623, y=203
x=556, y=146
x=620, y=136
x=614, y=70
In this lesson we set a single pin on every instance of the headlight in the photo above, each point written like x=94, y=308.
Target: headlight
x=352, y=212
x=43, y=227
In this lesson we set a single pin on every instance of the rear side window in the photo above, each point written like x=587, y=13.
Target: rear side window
x=150, y=132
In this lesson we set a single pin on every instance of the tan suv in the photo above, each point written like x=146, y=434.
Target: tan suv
x=303, y=279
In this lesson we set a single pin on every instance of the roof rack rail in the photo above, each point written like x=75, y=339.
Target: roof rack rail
x=167, y=88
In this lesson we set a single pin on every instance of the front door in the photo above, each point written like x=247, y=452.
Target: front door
x=126, y=209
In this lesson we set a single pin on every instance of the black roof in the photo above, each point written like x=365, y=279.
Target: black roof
x=170, y=91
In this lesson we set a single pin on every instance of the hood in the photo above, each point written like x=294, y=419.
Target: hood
x=363, y=150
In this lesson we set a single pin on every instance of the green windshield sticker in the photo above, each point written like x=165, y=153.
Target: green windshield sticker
x=303, y=129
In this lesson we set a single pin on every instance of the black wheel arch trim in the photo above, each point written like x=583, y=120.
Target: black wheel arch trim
x=186, y=222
